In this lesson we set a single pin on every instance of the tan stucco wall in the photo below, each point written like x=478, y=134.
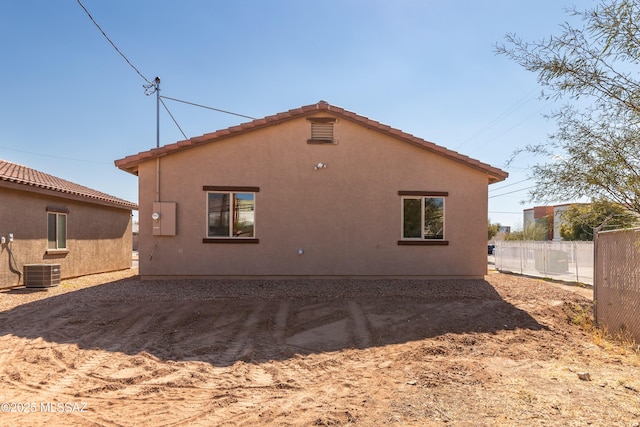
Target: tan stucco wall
x=98, y=237
x=346, y=218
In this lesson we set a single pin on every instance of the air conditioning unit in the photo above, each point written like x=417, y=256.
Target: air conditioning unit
x=41, y=275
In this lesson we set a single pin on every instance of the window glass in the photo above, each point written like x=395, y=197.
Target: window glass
x=51, y=231
x=219, y=204
x=411, y=218
x=433, y=218
x=423, y=218
x=56, y=231
x=231, y=214
x=243, y=215
x=62, y=231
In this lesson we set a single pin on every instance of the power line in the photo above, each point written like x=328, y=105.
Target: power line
x=112, y=43
x=509, y=129
x=501, y=116
x=209, y=108
x=510, y=185
x=511, y=192
x=56, y=157
x=152, y=87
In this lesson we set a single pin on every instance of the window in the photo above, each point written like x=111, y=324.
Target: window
x=230, y=214
x=321, y=130
x=56, y=230
x=423, y=217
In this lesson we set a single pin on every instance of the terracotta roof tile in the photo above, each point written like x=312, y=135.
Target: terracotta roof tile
x=130, y=163
x=18, y=174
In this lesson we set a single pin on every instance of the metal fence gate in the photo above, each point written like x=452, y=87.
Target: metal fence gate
x=617, y=281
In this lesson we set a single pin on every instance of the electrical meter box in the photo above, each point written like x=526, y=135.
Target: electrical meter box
x=164, y=219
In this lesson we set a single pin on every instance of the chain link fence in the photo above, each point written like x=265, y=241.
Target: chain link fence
x=617, y=282
x=568, y=261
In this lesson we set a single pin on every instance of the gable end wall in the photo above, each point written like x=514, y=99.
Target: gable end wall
x=346, y=218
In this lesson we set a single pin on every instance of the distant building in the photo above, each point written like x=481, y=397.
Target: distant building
x=557, y=219
x=547, y=216
x=541, y=216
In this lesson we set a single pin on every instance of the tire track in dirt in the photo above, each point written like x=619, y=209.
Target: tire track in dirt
x=359, y=325
x=242, y=344
x=280, y=323
x=19, y=322
x=86, y=370
x=7, y=352
x=83, y=370
x=176, y=333
x=129, y=325
x=7, y=370
x=38, y=352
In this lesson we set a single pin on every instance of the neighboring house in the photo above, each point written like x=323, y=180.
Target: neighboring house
x=47, y=220
x=315, y=191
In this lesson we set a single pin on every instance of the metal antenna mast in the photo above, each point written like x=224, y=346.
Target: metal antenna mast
x=149, y=90
x=156, y=81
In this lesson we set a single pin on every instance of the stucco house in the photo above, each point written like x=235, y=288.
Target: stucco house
x=316, y=191
x=48, y=220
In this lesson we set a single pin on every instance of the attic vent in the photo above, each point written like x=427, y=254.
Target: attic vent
x=321, y=130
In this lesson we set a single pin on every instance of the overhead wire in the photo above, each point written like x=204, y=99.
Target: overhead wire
x=515, y=106
x=509, y=185
x=56, y=157
x=511, y=192
x=112, y=43
x=149, y=83
x=209, y=108
x=153, y=84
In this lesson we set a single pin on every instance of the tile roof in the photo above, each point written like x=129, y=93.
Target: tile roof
x=18, y=174
x=130, y=163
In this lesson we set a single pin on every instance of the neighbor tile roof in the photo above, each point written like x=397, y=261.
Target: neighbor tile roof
x=18, y=174
x=130, y=163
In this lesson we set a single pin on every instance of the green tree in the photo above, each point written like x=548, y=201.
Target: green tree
x=493, y=229
x=596, y=148
x=578, y=221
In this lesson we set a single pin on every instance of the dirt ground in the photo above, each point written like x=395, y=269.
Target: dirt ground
x=111, y=350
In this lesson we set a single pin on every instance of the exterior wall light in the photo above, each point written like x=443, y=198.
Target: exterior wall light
x=320, y=166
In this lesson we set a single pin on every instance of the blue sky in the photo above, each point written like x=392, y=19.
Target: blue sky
x=71, y=105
